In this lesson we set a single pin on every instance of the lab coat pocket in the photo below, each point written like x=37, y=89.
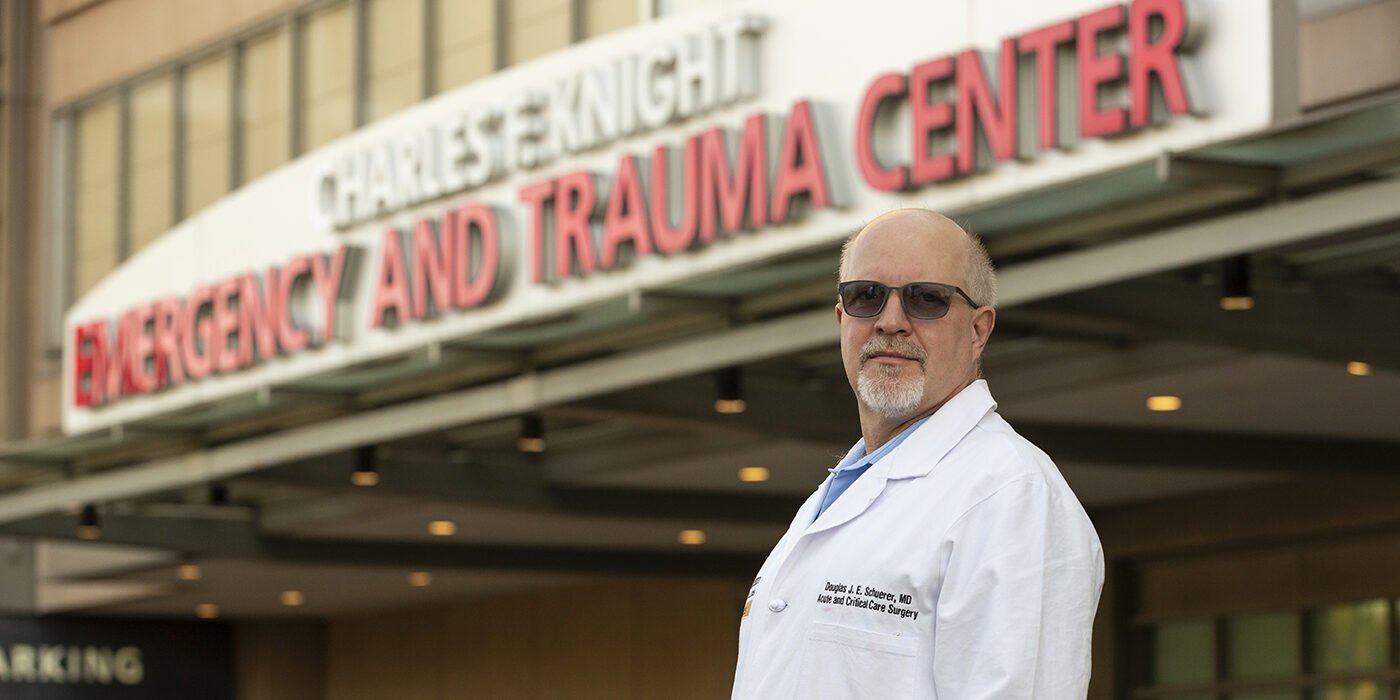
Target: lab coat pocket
x=844, y=663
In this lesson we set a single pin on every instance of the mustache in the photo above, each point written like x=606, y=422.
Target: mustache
x=896, y=344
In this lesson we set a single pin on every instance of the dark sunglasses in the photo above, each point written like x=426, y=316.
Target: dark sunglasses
x=925, y=300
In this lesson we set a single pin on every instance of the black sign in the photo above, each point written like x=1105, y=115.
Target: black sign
x=74, y=659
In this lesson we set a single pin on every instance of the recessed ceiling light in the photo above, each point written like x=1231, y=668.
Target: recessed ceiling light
x=420, y=579
x=1163, y=403
x=292, y=598
x=188, y=572
x=442, y=528
x=691, y=537
x=1359, y=369
x=206, y=611
x=753, y=474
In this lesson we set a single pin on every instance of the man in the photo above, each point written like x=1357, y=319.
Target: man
x=945, y=558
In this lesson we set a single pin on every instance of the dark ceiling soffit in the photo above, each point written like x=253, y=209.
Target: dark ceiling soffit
x=1324, y=321
x=238, y=539
x=1065, y=443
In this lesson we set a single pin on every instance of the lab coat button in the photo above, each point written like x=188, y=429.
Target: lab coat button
x=778, y=605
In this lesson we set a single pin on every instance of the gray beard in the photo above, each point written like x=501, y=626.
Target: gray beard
x=888, y=394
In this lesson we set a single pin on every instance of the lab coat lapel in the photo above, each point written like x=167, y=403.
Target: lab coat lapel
x=856, y=498
x=934, y=439
x=915, y=457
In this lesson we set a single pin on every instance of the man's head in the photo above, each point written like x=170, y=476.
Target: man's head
x=903, y=367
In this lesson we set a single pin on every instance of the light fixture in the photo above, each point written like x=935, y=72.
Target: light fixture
x=531, y=433
x=1359, y=369
x=753, y=474
x=88, y=526
x=442, y=528
x=189, y=572
x=420, y=579
x=206, y=611
x=729, y=389
x=218, y=494
x=366, y=472
x=292, y=599
x=1235, y=295
x=1163, y=403
x=691, y=537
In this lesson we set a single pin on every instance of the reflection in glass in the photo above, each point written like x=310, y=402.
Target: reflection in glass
x=1351, y=637
x=1276, y=694
x=152, y=160
x=1183, y=652
x=1263, y=646
x=395, y=77
x=266, y=134
x=96, y=195
x=207, y=116
x=466, y=42
x=1360, y=690
x=327, y=75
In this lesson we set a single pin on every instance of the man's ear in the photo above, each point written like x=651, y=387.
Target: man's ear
x=983, y=320
x=839, y=313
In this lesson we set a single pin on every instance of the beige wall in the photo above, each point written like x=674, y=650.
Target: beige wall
x=668, y=639
x=1349, y=54
x=98, y=44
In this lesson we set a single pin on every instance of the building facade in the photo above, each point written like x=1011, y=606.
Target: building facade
x=439, y=348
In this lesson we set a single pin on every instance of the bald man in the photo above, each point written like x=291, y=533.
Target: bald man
x=944, y=557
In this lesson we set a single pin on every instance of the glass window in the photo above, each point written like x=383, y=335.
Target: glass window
x=152, y=160
x=1183, y=652
x=603, y=16
x=395, y=50
x=1359, y=690
x=266, y=136
x=536, y=27
x=1263, y=646
x=328, y=75
x=206, y=112
x=465, y=40
x=96, y=197
x=1351, y=637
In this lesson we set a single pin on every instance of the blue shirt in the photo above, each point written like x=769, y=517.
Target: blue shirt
x=857, y=462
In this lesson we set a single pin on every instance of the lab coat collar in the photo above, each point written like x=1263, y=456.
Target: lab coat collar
x=945, y=429
x=917, y=456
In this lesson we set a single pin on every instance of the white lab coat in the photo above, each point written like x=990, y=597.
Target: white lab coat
x=959, y=567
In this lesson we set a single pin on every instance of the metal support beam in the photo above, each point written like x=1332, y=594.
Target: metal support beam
x=1260, y=229
x=239, y=539
x=1172, y=167
x=441, y=482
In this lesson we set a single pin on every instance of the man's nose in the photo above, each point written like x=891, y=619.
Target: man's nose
x=892, y=319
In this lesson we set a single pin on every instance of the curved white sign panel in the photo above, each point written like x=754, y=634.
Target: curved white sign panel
x=670, y=151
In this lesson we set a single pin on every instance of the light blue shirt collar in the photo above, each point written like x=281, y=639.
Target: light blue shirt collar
x=857, y=459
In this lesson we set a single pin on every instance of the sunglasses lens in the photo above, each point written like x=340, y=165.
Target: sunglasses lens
x=927, y=300
x=863, y=299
